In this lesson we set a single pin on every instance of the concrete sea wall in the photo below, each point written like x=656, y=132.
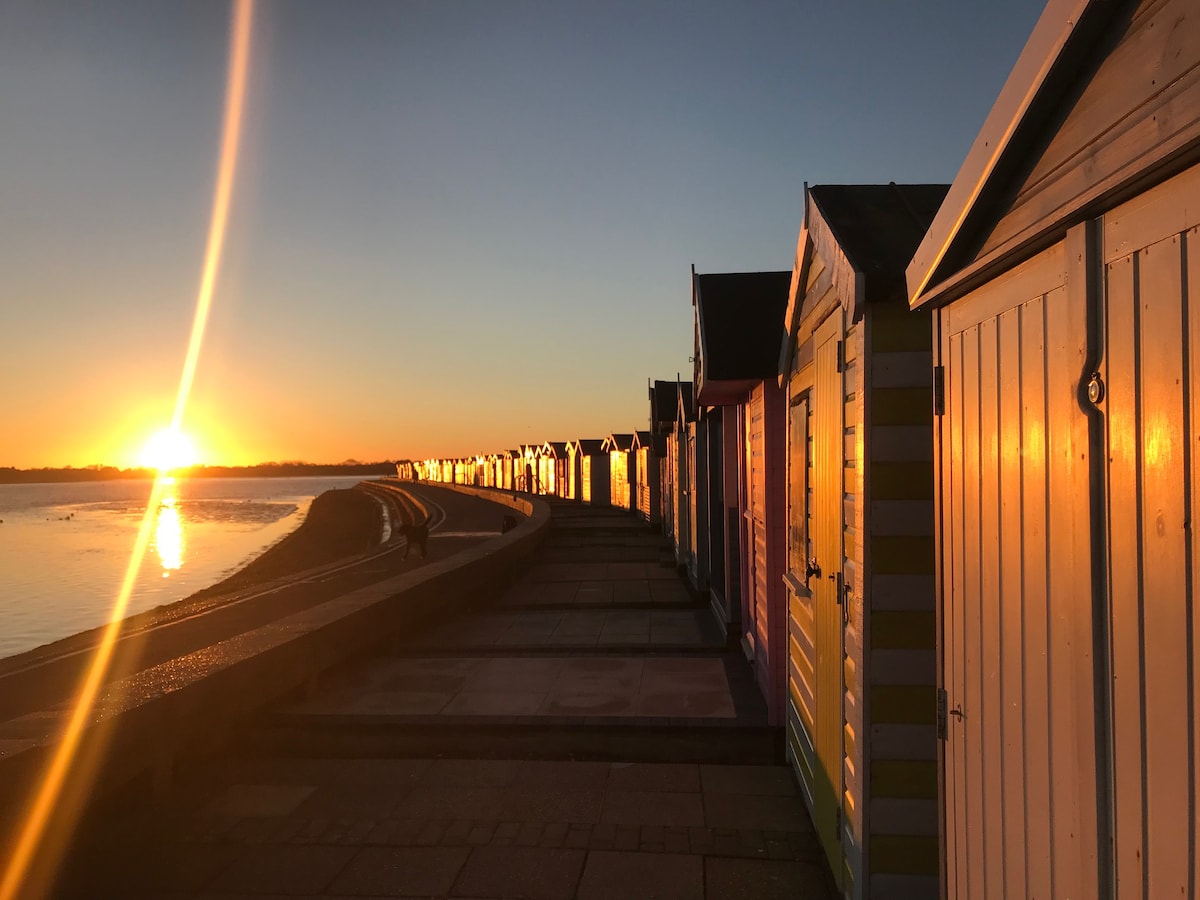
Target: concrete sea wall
x=143, y=723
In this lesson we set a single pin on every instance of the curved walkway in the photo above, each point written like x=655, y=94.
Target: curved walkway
x=587, y=735
x=49, y=675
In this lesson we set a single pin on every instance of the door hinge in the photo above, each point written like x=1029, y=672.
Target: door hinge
x=841, y=356
x=942, y=702
x=939, y=390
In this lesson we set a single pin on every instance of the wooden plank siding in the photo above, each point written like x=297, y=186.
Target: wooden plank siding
x=887, y=638
x=837, y=826
x=1020, y=757
x=765, y=529
x=649, y=486
x=1141, y=107
x=902, y=636
x=1152, y=291
x=871, y=609
x=852, y=633
x=1067, y=279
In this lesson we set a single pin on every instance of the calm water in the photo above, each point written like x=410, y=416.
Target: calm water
x=64, y=548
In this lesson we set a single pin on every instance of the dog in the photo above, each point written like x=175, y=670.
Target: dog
x=507, y=524
x=417, y=535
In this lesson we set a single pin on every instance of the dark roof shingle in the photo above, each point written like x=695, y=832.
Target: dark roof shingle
x=741, y=323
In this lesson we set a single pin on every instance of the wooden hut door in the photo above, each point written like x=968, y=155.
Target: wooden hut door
x=1018, y=765
x=1152, y=288
x=690, y=507
x=756, y=538
x=826, y=585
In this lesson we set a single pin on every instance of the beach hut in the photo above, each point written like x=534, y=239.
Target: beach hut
x=681, y=468
x=738, y=332
x=591, y=468
x=648, y=451
x=664, y=400
x=622, y=469
x=527, y=469
x=554, y=467
x=510, y=463
x=859, y=625
x=1063, y=273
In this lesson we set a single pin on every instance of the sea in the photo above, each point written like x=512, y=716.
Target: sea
x=65, y=548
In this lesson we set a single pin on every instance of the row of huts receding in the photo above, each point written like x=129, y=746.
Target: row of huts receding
x=938, y=483
x=803, y=490
x=984, y=655
x=620, y=470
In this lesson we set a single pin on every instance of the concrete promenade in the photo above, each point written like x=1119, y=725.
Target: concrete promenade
x=585, y=735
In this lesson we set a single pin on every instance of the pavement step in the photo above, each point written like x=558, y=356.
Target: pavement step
x=673, y=741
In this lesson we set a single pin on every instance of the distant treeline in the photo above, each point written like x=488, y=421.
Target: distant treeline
x=9, y=475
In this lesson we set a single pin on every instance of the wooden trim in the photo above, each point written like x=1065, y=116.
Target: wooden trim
x=1034, y=277
x=1024, y=87
x=796, y=294
x=1161, y=212
x=819, y=302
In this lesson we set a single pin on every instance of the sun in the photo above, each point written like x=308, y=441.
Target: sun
x=168, y=450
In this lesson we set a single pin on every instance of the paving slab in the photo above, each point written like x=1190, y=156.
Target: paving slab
x=642, y=876
x=533, y=872
x=621, y=686
x=599, y=643
x=402, y=871
x=763, y=879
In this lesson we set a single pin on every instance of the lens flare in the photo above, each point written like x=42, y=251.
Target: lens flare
x=36, y=848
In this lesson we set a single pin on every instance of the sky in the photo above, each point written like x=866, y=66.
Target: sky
x=455, y=227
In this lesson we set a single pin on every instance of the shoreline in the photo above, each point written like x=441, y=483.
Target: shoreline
x=365, y=471
x=340, y=524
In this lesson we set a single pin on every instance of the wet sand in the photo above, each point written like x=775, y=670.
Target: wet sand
x=340, y=525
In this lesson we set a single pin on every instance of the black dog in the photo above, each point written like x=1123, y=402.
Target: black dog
x=415, y=535
x=507, y=524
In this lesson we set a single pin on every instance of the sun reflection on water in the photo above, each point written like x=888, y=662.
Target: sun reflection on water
x=29, y=869
x=168, y=532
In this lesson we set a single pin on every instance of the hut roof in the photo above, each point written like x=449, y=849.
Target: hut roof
x=686, y=403
x=739, y=330
x=877, y=227
x=1068, y=44
x=555, y=448
x=664, y=405
x=588, y=446
x=618, y=442
x=656, y=443
x=865, y=234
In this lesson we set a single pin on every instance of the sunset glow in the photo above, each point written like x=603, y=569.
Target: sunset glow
x=48, y=824
x=169, y=450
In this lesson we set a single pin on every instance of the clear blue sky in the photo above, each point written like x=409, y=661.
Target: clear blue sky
x=455, y=226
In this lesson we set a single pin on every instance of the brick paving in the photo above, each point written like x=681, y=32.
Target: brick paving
x=330, y=795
